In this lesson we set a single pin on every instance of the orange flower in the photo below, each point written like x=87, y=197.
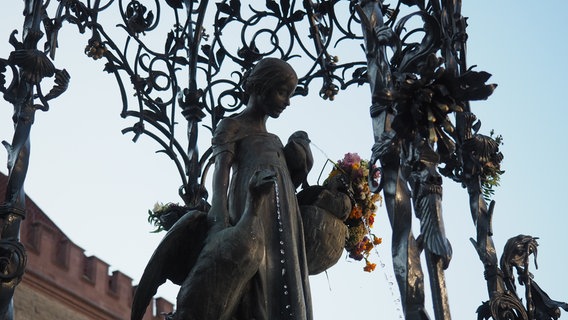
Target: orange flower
x=356, y=166
x=356, y=213
x=369, y=267
x=377, y=241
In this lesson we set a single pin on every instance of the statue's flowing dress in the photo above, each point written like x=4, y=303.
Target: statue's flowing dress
x=280, y=288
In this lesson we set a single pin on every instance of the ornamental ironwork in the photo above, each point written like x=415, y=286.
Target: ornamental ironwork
x=420, y=85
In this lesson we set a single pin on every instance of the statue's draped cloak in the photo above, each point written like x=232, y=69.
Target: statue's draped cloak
x=280, y=289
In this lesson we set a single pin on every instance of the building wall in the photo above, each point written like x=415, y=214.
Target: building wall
x=61, y=282
x=31, y=304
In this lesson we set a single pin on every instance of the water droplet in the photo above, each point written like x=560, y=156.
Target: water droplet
x=285, y=293
x=288, y=306
x=283, y=271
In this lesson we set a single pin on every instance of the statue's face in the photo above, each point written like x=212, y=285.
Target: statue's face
x=277, y=99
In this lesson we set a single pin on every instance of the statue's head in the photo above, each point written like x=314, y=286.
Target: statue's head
x=266, y=75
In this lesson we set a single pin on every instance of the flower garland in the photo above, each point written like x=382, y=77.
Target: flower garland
x=360, y=240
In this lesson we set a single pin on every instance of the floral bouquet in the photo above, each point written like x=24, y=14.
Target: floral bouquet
x=164, y=216
x=360, y=240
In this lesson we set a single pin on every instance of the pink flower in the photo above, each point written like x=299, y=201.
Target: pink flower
x=351, y=158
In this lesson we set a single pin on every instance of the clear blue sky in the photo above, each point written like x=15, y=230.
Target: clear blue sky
x=97, y=185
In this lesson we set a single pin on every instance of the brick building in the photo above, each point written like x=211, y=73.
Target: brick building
x=61, y=282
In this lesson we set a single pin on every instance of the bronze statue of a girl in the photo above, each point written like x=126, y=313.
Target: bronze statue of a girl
x=279, y=289
x=251, y=261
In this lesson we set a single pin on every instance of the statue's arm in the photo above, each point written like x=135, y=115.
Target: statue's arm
x=220, y=185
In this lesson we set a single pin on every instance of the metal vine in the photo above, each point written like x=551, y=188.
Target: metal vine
x=416, y=69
